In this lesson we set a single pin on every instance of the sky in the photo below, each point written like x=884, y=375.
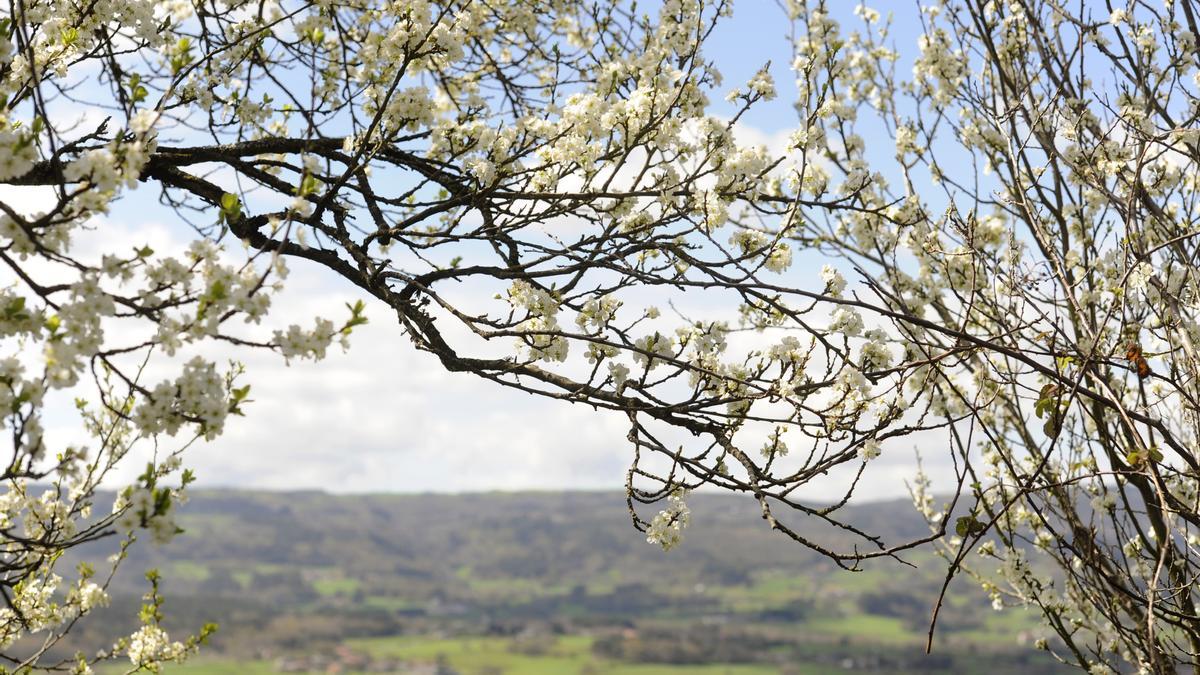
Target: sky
x=382, y=417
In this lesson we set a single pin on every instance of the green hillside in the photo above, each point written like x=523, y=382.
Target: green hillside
x=546, y=582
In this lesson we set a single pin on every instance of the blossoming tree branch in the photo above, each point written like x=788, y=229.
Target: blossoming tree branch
x=980, y=241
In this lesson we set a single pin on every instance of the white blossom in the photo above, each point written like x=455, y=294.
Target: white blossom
x=666, y=528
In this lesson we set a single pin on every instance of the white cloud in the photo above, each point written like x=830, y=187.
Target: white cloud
x=385, y=417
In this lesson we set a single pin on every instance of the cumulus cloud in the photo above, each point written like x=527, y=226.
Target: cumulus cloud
x=384, y=417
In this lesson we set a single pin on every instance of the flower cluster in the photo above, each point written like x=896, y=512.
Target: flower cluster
x=666, y=529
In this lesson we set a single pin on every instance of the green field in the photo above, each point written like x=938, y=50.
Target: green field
x=489, y=656
x=306, y=575
x=475, y=656
x=568, y=655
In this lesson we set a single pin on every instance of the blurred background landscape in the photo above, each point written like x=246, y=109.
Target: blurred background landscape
x=493, y=583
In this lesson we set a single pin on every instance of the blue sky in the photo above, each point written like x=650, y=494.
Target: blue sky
x=383, y=417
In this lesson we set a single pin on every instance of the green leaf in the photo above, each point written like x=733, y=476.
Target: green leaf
x=968, y=526
x=357, y=318
x=162, y=501
x=231, y=208
x=308, y=185
x=1137, y=458
x=15, y=310
x=1047, y=407
x=182, y=56
x=1051, y=427
x=147, y=477
x=137, y=93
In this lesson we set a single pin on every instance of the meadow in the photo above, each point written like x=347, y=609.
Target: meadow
x=547, y=583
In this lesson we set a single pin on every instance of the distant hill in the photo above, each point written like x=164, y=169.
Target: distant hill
x=556, y=538
x=290, y=571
